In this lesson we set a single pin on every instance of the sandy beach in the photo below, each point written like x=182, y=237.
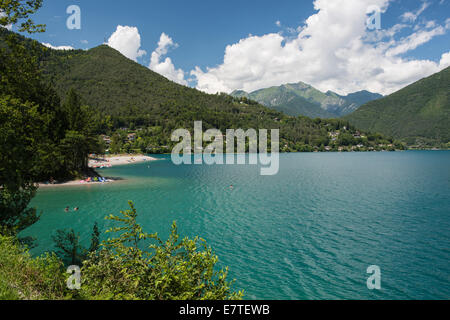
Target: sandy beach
x=111, y=161
x=103, y=162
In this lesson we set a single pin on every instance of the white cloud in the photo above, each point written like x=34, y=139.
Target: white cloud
x=127, y=41
x=412, y=16
x=166, y=67
x=48, y=45
x=414, y=40
x=84, y=41
x=445, y=60
x=278, y=23
x=332, y=51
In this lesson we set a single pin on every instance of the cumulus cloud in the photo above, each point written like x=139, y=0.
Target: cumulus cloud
x=333, y=50
x=166, y=67
x=48, y=45
x=127, y=41
x=445, y=60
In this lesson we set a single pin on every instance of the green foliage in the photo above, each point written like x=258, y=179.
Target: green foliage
x=171, y=270
x=24, y=103
x=19, y=139
x=55, y=140
x=185, y=270
x=68, y=247
x=18, y=10
x=16, y=215
x=418, y=114
x=79, y=139
x=95, y=239
x=22, y=277
x=75, y=115
x=33, y=143
x=19, y=133
x=134, y=265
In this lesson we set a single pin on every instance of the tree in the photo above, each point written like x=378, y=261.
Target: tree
x=95, y=239
x=15, y=214
x=76, y=116
x=68, y=247
x=346, y=139
x=76, y=151
x=116, y=144
x=21, y=120
x=100, y=146
x=19, y=134
x=176, y=269
x=79, y=140
x=18, y=10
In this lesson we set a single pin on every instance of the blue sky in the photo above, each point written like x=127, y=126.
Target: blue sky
x=199, y=31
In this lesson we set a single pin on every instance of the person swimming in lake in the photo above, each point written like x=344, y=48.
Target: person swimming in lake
x=76, y=209
x=67, y=209
x=231, y=187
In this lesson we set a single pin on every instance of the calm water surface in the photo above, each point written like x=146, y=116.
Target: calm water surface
x=309, y=232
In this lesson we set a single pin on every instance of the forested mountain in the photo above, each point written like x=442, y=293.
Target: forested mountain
x=418, y=114
x=287, y=101
x=128, y=95
x=302, y=99
x=362, y=97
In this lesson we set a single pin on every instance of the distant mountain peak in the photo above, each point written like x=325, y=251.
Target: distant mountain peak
x=303, y=99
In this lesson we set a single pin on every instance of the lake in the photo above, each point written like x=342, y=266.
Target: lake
x=309, y=232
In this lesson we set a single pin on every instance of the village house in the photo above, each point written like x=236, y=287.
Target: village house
x=131, y=136
x=334, y=134
x=357, y=135
x=106, y=139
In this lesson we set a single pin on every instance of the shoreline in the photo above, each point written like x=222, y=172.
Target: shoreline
x=118, y=160
x=100, y=163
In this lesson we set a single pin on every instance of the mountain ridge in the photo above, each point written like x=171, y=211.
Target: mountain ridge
x=302, y=99
x=127, y=97
x=418, y=114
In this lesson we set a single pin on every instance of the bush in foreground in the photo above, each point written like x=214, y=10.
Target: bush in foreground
x=175, y=269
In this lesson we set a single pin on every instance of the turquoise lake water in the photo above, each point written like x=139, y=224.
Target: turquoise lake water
x=309, y=232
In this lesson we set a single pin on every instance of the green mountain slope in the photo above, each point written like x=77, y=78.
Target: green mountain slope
x=302, y=99
x=286, y=100
x=418, y=114
x=362, y=97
